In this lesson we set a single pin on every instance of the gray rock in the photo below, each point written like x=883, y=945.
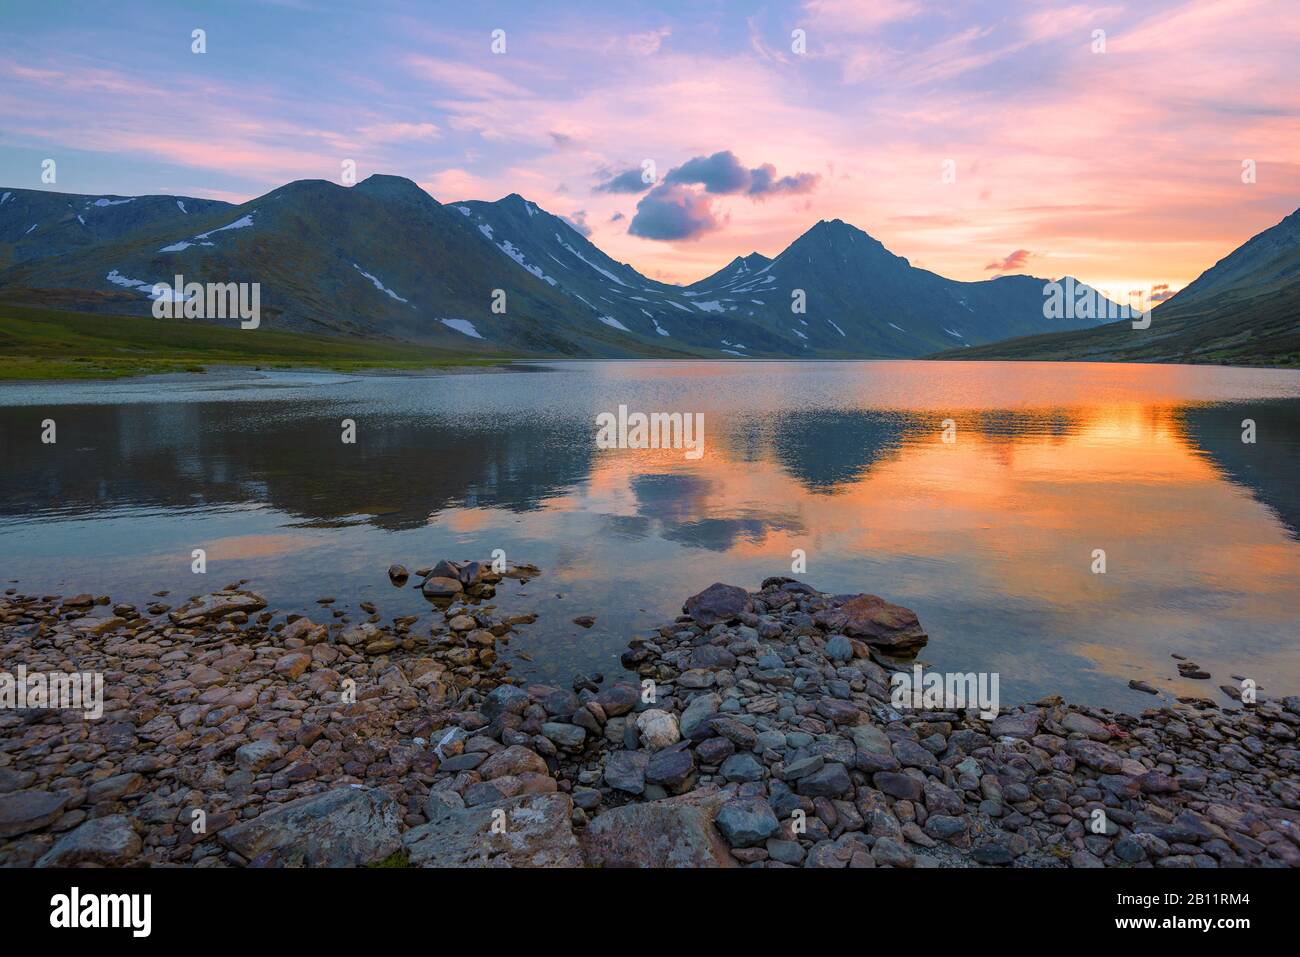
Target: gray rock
x=215, y=606
x=701, y=707
x=625, y=770
x=1016, y=725
x=839, y=648
x=787, y=852
x=746, y=822
x=867, y=737
x=898, y=785
x=537, y=832
x=741, y=767
x=888, y=852
x=504, y=699
x=673, y=832
x=565, y=735
x=440, y=588
x=256, y=755
x=29, y=810
x=104, y=841
x=831, y=781
x=344, y=827
x=670, y=768
x=718, y=603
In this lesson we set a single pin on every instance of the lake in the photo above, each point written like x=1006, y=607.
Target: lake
x=989, y=537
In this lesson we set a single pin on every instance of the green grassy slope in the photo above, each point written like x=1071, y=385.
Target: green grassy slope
x=38, y=343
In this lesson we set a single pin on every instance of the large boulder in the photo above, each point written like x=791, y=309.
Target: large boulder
x=29, y=810
x=216, y=606
x=344, y=827
x=103, y=841
x=672, y=832
x=439, y=588
x=718, y=603
x=881, y=624
x=536, y=831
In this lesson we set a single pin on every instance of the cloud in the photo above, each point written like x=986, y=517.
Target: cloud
x=399, y=132
x=628, y=181
x=853, y=16
x=647, y=43
x=1015, y=260
x=1161, y=292
x=723, y=173
x=764, y=182
x=673, y=211
x=616, y=217
x=578, y=220
x=463, y=79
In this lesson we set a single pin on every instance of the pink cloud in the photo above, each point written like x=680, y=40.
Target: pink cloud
x=1012, y=262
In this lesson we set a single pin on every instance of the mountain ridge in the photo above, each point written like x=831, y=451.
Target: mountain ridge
x=384, y=258
x=1243, y=310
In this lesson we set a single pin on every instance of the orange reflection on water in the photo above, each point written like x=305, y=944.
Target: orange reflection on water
x=1013, y=509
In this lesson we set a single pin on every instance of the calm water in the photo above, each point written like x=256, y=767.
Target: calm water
x=989, y=538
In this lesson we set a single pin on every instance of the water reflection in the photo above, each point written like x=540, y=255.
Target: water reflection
x=990, y=537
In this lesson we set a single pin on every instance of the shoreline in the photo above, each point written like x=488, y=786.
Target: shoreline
x=197, y=368
x=768, y=738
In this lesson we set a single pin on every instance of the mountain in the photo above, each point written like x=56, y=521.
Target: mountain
x=35, y=223
x=382, y=258
x=602, y=289
x=861, y=299
x=385, y=259
x=1243, y=310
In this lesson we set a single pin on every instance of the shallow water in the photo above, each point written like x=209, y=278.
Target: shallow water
x=990, y=538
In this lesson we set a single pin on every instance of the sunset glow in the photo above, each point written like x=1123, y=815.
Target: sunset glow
x=1122, y=167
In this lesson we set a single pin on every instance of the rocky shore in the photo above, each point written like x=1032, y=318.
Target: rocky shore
x=759, y=731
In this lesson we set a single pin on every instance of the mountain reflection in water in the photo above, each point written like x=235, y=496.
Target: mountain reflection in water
x=989, y=538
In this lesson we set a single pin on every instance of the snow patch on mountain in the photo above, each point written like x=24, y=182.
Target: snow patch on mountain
x=511, y=250
x=243, y=222
x=611, y=321
x=140, y=285
x=604, y=272
x=463, y=326
x=379, y=285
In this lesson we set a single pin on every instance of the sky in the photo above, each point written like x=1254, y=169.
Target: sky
x=975, y=139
